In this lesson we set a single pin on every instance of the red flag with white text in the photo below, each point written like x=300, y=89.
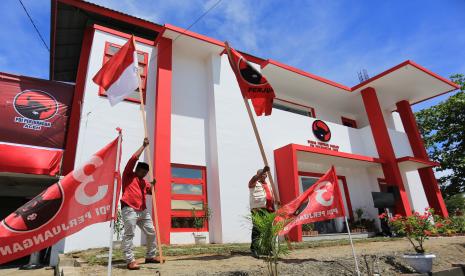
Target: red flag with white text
x=322, y=201
x=81, y=198
x=252, y=83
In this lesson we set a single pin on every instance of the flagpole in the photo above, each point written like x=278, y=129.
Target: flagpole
x=113, y=203
x=149, y=159
x=257, y=137
x=352, y=245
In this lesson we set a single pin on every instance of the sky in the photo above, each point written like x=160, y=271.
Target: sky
x=332, y=39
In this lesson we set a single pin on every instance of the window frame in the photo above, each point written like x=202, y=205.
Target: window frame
x=144, y=75
x=349, y=121
x=204, y=197
x=309, y=109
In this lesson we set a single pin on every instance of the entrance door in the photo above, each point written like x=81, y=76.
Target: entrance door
x=307, y=180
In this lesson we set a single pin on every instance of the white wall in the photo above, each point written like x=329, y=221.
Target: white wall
x=97, y=128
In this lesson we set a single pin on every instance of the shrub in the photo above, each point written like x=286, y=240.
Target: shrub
x=416, y=228
x=268, y=239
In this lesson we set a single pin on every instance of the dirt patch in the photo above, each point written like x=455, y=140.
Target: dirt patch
x=330, y=260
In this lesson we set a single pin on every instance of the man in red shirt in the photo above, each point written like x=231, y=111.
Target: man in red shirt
x=133, y=209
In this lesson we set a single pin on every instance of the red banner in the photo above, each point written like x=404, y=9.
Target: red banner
x=322, y=201
x=252, y=83
x=33, y=111
x=81, y=198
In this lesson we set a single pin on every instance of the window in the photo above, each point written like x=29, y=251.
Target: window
x=349, y=122
x=294, y=107
x=142, y=58
x=188, y=197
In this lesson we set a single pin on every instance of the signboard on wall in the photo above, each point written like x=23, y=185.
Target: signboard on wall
x=34, y=111
x=322, y=132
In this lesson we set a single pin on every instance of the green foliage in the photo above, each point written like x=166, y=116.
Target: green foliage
x=417, y=228
x=458, y=224
x=308, y=227
x=359, y=212
x=199, y=221
x=443, y=129
x=268, y=240
x=456, y=203
x=118, y=229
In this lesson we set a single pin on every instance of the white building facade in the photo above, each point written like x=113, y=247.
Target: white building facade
x=203, y=146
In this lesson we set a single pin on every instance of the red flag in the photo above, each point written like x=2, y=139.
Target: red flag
x=253, y=85
x=81, y=198
x=322, y=201
x=118, y=76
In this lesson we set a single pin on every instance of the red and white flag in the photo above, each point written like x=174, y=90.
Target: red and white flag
x=322, y=201
x=81, y=198
x=253, y=85
x=118, y=76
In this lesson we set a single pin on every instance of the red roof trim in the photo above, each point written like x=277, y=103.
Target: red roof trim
x=407, y=62
x=194, y=35
x=90, y=7
x=305, y=74
x=337, y=154
x=158, y=28
x=418, y=160
x=123, y=35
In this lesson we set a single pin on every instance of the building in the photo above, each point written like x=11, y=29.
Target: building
x=204, y=148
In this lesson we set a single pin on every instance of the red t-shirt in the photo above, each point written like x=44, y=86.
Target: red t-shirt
x=269, y=197
x=134, y=188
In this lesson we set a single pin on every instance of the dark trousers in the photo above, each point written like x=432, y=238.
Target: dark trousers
x=255, y=230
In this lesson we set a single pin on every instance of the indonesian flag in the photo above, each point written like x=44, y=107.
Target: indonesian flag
x=81, y=198
x=322, y=201
x=118, y=76
x=253, y=85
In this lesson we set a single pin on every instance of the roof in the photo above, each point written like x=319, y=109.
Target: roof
x=400, y=81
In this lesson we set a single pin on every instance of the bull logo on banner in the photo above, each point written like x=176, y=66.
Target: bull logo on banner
x=35, y=105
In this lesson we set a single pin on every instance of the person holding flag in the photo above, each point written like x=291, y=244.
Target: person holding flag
x=134, y=211
x=261, y=201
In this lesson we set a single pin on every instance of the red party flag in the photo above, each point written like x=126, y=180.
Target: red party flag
x=83, y=197
x=322, y=201
x=253, y=85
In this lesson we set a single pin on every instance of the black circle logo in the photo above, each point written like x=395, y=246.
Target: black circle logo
x=35, y=105
x=321, y=131
x=37, y=212
x=249, y=73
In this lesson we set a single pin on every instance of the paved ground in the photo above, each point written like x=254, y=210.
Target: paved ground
x=333, y=260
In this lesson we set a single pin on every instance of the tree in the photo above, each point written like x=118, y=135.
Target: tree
x=443, y=129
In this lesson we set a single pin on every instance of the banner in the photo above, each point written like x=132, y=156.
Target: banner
x=81, y=198
x=322, y=201
x=252, y=83
x=34, y=111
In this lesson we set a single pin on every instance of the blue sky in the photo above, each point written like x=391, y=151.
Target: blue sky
x=333, y=39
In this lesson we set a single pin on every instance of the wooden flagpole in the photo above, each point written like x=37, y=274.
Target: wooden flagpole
x=262, y=150
x=113, y=204
x=149, y=159
x=257, y=135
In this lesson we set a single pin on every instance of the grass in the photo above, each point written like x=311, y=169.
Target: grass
x=98, y=256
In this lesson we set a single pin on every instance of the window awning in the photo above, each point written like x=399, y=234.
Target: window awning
x=23, y=159
x=409, y=163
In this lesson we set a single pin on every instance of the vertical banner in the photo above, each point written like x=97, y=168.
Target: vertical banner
x=81, y=198
x=34, y=111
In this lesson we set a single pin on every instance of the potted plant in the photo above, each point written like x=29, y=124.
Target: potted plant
x=417, y=228
x=309, y=230
x=198, y=223
x=359, y=224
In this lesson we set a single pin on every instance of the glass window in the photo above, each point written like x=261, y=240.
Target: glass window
x=180, y=172
x=186, y=189
x=182, y=222
x=186, y=205
x=294, y=108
